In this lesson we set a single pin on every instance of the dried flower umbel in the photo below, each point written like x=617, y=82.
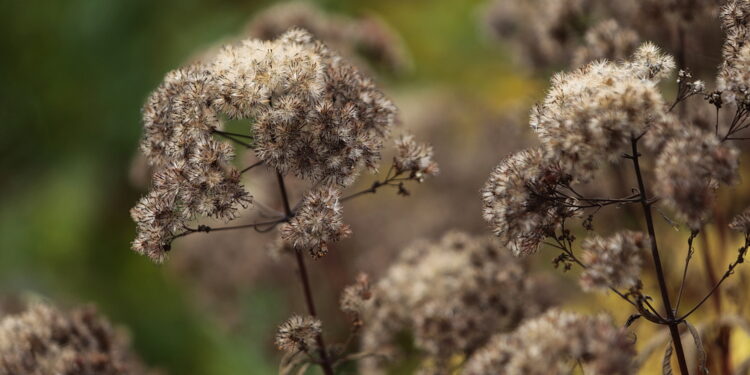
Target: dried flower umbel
x=607, y=111
x=451, y=294
x=553, y=343
x=43, y=340
x=310, y=115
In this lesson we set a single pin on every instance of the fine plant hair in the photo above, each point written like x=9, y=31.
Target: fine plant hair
x=310, y=115
x=43, y=339
x=613, y=115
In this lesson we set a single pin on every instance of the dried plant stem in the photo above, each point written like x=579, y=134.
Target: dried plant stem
x=724, y=332
x=325, y=362
x=672, y=323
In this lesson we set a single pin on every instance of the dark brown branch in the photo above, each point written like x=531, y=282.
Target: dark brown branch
x=251, y=166
x=673, y=328
x=325, y=362
x=688, y=256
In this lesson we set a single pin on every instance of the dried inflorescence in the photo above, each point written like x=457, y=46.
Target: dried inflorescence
x=553, y=344
x=317, y=222
x=606, y=40
x=547, y=30
x=314, y=116
x=734, y=73
x=43, y=340
x=356, y=298
x=689, y=169
x=741, y=222
x=367, y=36
x=548, y=33
x=613, y=262
x=592, y=113
x=298, y=334
x=451, y=294
x=517, y=200
x=414, y=158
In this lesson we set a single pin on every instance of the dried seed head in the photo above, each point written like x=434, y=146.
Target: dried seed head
x=548, y=344
x=451, y=294
x=741, y=222
x=688, y=170
x=43, y=340
x=299, y=333
x=614, y=261
x=355, y=298
x=414, y=158
x=516, y=204
x=317, y=222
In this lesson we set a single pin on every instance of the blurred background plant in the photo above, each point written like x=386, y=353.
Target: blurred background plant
x=74, y=75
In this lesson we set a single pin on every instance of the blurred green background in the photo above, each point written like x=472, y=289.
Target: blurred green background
x=73, y=76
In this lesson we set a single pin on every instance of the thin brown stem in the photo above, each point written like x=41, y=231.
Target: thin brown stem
x=672, y=323
x=325, y=361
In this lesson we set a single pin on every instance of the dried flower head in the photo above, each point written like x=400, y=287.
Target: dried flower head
x=591, y=114
x=317, y=222
x=734, y=74
x=552, y=343
x=517, y=201
x=314, y=116
x=414, y=158
x=355, y=299
x=606, y=40
x=613, y=262
x=451, y=294
x=43, y=340
x=741, y=222
x=367, y=37
x=688, y=169
x=545, y=31
x=299, y=333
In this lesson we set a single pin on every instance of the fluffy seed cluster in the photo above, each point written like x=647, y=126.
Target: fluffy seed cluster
x=43, y=340
x=517, y=204
x=591, y=113
x=356, y=298
x=298, y=334
x=451, y=294
x=414, y=158
x=545, y=29
x=317, y=222
x=314, y=116
x=688, y=170
x=366, y=37
x=606, y=40
x=553, y=343
x=613, y=261
x=741, y=222
x=734, y=72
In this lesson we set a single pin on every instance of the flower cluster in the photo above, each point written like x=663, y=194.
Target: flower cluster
x=734, y=72
x=741, y=222
x=553, y=343
x=518, y=201
x=356, y=298
x=314, y=116
x=452, y=294
x=591, y=113
x=613, y=262
x=606, y=40
x=414, y=158
x=43, y=340
x=688, y=169
x=367, y=36
x=317, y=223
x=298, y=333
